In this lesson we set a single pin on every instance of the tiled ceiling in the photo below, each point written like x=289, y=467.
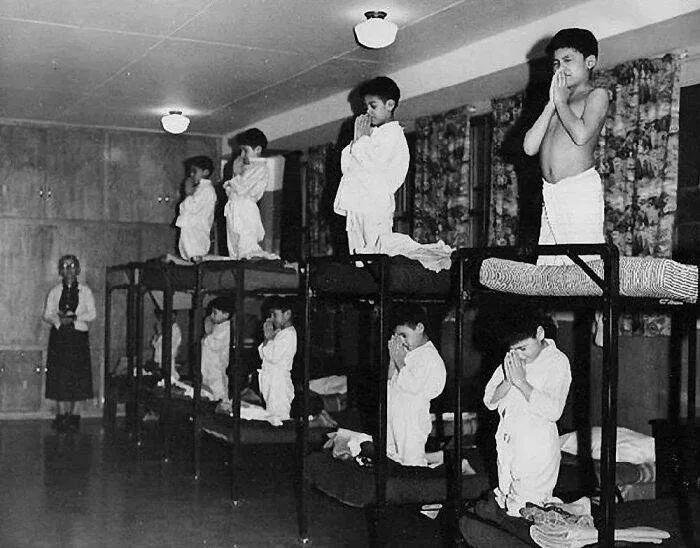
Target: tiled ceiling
x=225, y=63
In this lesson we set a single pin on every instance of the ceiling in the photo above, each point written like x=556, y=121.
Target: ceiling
x=225, y=63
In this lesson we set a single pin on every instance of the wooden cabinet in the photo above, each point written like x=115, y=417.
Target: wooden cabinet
x=75, y=172
x=22, y=171
x=21, y=379
x=145, y=172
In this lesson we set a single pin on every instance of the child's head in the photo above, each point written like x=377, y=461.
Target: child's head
x=199, y=167
x=252, y=143
x=281, y=312
x=409, y=321
x=381, y=96
x=524, y=334
x=69, y=268
x=574, y=50
x=222, y=309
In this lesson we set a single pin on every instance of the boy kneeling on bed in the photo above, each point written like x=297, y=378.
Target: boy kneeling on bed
x=416, y=376
x=529, y=390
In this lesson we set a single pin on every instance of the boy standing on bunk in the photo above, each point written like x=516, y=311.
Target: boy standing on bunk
x=197, y=209
x=215, y=347
x=244, y=228
x=374, y=166
x=277, y=353
x=416, y=376
x=529, y=389
x=565, y=135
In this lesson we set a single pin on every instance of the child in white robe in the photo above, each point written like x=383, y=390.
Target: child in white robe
x=374, y=166
x=215, y=348
x=529, y=391
x=416, y=376
x=244, y=228
x=197, y=209
x=277, y=353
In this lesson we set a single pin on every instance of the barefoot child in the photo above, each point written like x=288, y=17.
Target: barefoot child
x=565, y=135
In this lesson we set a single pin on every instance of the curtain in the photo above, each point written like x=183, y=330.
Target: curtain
x=319, y=204
x=637, y=157
x=503, y=214
x=442, y=166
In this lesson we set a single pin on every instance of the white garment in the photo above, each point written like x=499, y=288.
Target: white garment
x=176, y=338
x=215, y=350
x=527, y=439
x=573, y=213
x=244, y=228
x=408, y=404
x=84, y=313
x=435, y=257
x=374, y=167
x=275, y=374
x=195, y=220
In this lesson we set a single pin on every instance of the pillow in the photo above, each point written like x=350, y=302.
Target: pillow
x=631, y=446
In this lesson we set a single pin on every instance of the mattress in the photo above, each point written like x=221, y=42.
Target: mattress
x=119, y=275
x=640, y=277
x=354, y=485
x=258, y=275
x=260, y=432
x=404, y=276
x=486, y=525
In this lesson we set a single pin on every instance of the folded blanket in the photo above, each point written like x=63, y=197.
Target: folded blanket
x=334, y=384
x=574, y=536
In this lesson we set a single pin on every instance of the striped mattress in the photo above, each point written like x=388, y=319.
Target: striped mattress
x=641, y=277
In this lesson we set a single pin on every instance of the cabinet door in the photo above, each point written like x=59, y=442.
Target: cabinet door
x=21, y=374
x=26, y=280
x=75, y=173
x=22, y=171
x=143, y=177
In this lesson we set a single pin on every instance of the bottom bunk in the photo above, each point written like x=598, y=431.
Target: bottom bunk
x=485, y=525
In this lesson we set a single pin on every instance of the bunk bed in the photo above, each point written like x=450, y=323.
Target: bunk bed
x=381, y=280
x=191, y=283
x=610, y=284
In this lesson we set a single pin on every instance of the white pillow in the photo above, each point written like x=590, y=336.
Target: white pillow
x=631, y=446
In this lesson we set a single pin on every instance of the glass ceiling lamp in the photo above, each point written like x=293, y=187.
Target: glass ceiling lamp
x=175, y=122
x=376, y=31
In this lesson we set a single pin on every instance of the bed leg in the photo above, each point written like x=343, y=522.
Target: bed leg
x=376, y=531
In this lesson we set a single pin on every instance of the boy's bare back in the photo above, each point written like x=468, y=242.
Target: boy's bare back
x=560, y=155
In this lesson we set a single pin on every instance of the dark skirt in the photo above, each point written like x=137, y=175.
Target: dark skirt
x=68, y=368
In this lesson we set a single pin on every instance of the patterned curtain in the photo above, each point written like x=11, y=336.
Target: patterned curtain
x=503, y=214
x=442, y=196
x=637, y=158
x=318, y=208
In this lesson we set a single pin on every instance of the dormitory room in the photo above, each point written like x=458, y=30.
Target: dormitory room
x=349, y=274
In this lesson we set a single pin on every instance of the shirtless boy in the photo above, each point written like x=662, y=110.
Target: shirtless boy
x=565, y=135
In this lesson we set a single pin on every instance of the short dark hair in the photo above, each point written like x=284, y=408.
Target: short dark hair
x=410, y=314
x=252, y=137
x=524, y=323
x=225, y=304
x=582, y=40
x=280, y=303
x=202, y=162
x=383, y=87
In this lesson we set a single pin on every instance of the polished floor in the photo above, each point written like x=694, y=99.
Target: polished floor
x=96, y=488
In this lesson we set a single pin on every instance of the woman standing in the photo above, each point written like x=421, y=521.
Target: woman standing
x=69, y=307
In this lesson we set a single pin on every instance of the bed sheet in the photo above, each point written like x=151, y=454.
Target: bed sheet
x=640, y=277
x=354, y=485
x=404, y=276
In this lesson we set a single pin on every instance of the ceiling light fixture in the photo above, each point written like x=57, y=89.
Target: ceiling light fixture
x=376, y=31
x=175, y=122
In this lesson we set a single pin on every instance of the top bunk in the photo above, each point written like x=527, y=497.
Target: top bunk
x=212, y=274
x=371, y=275
x=654, y=281
x=502, y=270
